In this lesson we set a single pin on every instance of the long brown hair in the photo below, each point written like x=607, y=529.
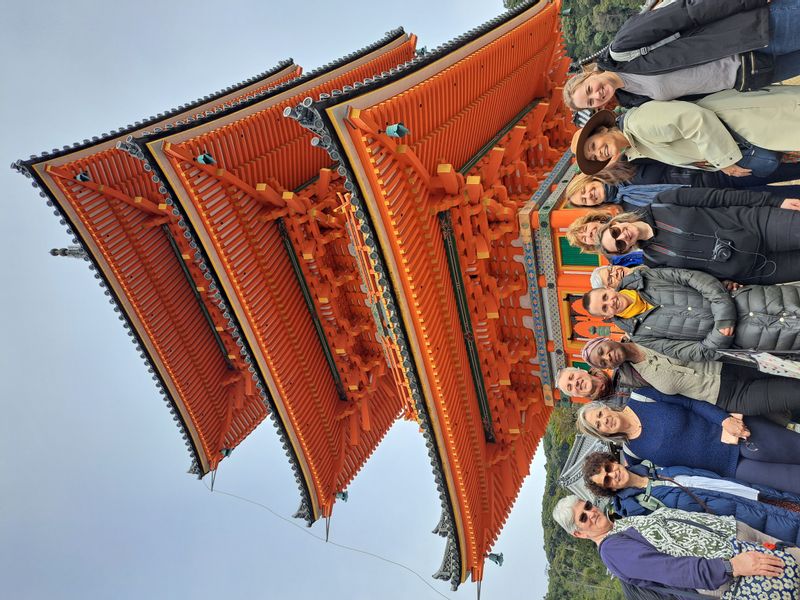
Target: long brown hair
x=617, y=172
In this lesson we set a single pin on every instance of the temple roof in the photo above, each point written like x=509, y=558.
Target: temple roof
x=104, y=173
x=454, y=100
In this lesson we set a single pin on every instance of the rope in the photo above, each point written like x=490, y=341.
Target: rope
x=316, y=537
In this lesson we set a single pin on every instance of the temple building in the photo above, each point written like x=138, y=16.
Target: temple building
x=380, y=238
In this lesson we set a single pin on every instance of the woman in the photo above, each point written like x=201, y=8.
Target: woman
x=677, y=431
x=671, y=549
x=640, y=489
x=725, y=131
x=591, y=191
x=584, y=232
x=722, y=232
x=690, y=50
x=731, y=387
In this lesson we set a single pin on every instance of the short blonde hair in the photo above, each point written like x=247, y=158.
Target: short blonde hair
x=592, y=216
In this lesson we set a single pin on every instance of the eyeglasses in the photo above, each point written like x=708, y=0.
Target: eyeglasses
x=587, y=508
x=619, y=244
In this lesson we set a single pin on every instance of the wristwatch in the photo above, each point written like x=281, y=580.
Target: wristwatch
x=728, y=568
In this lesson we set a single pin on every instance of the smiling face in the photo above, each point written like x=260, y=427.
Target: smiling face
x=619, y=238
x=591, y=194
x=595, y=92
x=606, y=303
x=604, y=145
x=604, y=420
x=587, y=234
x=607, y=354
x=612, y=476
x=577, y=382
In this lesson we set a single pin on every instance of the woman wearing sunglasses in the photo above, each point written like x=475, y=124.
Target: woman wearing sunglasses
x=732, y=234
x=677, y=431
x=673, y=551
x=738, y=134
x=640, y=489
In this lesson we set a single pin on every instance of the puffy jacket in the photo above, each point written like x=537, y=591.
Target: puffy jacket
x=769, y=317
x=690, y=307
x=773, y=520
x=708, y=30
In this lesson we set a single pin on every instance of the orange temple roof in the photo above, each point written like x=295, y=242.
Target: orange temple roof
x=123, y=216
x=486, y=124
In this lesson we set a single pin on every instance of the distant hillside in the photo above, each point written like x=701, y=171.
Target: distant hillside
x=590, y=25
x=575, y=570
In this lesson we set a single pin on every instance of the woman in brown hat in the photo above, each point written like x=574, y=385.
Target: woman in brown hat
x=736, y=133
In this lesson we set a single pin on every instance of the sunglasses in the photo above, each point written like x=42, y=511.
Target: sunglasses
x=606, y=472
x=619, y=244
x=587, y=508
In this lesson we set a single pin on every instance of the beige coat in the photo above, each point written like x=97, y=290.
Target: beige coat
x=683, y=133
x=696, y=380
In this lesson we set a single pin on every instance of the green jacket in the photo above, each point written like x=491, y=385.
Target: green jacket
x=684, y=133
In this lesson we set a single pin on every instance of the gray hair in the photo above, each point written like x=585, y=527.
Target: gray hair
x=587, y=428
x=595, y=279
x=563, y=370
x=563, y=513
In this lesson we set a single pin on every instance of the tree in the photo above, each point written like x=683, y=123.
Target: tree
x=575, y=570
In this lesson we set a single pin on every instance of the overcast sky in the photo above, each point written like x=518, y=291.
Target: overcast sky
x=96, y=502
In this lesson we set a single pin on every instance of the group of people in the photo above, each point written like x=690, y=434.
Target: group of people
x=704, y=490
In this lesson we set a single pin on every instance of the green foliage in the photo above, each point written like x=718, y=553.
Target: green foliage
x=589, y=25
x=575, y=570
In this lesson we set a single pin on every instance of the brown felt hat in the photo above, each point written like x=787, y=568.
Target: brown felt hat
x=602, y=118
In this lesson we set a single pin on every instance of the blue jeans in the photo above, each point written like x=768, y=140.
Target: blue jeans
x=784, y=38
x=761, y=162
x=784, y=17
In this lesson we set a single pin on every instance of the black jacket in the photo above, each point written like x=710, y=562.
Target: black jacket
x=689, y=222
x=649, y=172
x=709, y=30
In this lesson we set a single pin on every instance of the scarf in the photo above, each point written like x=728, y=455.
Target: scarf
x=679, y=533
x=637, y=307
x=637, y=195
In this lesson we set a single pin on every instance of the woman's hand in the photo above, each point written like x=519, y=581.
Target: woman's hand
x=726, y=331
x=791, y=204
x=736, y=171
x=756, y=563
x=736, y=427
